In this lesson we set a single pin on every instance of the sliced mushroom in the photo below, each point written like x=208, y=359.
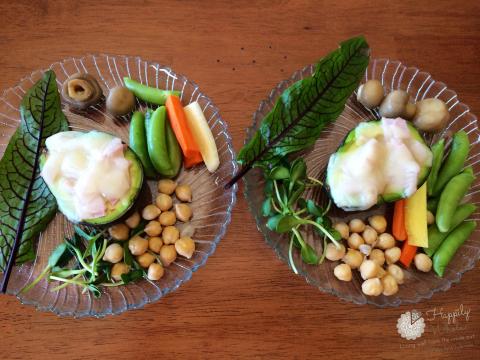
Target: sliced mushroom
x=81, y=90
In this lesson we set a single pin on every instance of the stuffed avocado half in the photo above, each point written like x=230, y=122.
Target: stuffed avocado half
x=379, y=161
x=94, y=177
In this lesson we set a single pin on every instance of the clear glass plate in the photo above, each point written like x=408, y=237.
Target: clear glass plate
x=212, y=204
x=420, y=85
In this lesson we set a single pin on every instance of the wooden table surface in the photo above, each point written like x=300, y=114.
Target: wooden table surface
x=245, y=303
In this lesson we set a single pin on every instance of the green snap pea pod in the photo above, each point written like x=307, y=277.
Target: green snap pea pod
x=450, y=245
x=432, y=204
x=435, y=236
x=455, y=160
x=468, y=170
x=156, y=141
x=174, y=152
x=451, y=196
x=138, y=142
x=147, y=93
x=438, y=150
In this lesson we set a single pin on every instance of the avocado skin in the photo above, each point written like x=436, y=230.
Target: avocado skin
x=124, y=205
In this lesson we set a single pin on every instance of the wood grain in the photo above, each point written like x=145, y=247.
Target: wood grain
x=245, y=303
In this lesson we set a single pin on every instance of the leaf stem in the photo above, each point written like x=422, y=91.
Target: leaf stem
x=65, y=284
x=322, y=229
x=290, y=255
x=279, y=198
x=37, y=280
x=274, y=205
x=318, y=182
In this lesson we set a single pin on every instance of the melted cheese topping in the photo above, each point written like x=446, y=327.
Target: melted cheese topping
x=89, y=169
x=384, y=159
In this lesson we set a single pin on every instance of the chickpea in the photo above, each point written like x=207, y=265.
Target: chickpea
x=397, y=272
x=423, y=262
x=353, y=258
x=183, y=212
x=372, y=287
x=167, y=186
x=145, y=259
x=167, y=218
x=378, y=256
x=365, y=249
x=137, y=245
x=155, y=244
x=378, y=222
x=355, y=240
x=119, y=232
x=430, y=217
x=185, y=246
x=118, y=270
x=392, y=255
x=184, y=193
x=369, y=269
x=153, y=228
x=343, y=229
x=133, y=220
x=369, y=235
x=343, y=272
x=113, y=253
x=150, y=212
x=431, y=116
x=170, y=235
x=385, y=241
x=356, y=225
x=410, y=110
x=155, y=272
x=381, y=272
x=394, y=104
x=390, y=286
x=164, y=202
x=168, y=254
x=370, y=94
x=333, y=253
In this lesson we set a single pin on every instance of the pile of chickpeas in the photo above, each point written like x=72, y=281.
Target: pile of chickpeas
x=373, y=252
x=164, y=240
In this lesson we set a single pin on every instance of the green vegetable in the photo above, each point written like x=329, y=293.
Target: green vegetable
x=450, y=198
x=306, y=107
x=138, y=142
x=287, y=212
x=89, y=271
x=455, y=161
x=450, y=245
x=157, y=141
x=132, y=276
x=435, y=236
x=174, y=152
x=148, y=94
x=59, y=256
x=432, y=204
x=438, y=150
x=163, y=149
x=27, y=206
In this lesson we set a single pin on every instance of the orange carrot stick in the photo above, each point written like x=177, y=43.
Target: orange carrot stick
x=398, y=224
x=182, y=132
x=407, y=254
